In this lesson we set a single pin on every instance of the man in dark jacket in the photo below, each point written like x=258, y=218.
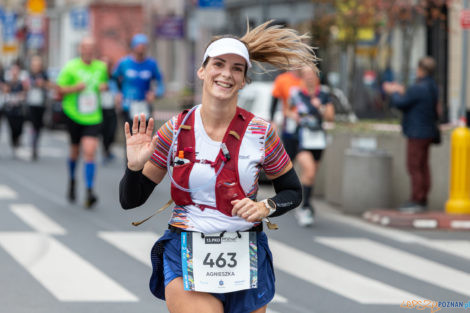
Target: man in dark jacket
x=420, y=120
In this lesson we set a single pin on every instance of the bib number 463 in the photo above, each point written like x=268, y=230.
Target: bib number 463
x=221, y=261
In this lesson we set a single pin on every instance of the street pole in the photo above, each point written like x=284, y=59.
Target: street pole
x=459, y=182
x=463, y=89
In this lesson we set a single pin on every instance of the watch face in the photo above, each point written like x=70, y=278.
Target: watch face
x=271, y=203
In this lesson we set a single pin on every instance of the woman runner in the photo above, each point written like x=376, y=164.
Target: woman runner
x=215, y=238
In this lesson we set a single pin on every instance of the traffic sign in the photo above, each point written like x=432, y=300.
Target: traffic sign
x=9, y=48
x=35, y=41
x=79, y=17
x=465, y=19
x=36, y=6
x=9, y=26
x=35, y=23
x=211, y=4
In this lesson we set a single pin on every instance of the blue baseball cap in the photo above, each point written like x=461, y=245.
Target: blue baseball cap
x=139, y=39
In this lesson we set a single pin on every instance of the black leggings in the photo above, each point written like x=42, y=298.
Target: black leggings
x=108, y=128
x=36, y=114
x=16, y=127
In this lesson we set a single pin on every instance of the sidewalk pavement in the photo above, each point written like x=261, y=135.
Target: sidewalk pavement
x=388, y=218
x=425, y=220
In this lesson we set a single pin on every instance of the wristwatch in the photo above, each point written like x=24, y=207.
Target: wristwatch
x=271, y=205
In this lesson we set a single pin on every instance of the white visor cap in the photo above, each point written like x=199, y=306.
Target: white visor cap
x=227, y=46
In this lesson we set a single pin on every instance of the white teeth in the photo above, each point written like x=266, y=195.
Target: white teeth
x=225, y=85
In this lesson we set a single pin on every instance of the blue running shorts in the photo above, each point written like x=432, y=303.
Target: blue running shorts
x=166, y=262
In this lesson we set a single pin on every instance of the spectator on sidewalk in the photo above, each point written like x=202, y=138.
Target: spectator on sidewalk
x=420, y=126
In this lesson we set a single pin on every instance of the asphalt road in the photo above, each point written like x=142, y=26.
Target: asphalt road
x=59, y=257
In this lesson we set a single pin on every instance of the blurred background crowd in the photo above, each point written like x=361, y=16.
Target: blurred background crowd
x=362, y=44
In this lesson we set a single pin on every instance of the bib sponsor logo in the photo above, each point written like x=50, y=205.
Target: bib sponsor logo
x=212, y=240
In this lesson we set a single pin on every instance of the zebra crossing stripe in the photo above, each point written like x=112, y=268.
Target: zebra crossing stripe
x=402, y=262
x=60, y=270
x=51, y=152
x=37, y=220
x=460, y=248
x=135, y=244
x=334, y=278
x=7, y=193
x=393, y=234
x=279, y=299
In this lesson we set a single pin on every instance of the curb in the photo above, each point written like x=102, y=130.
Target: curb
x=428, y=220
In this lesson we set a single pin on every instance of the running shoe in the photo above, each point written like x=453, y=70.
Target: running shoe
x=304, y=216
x=91, y=199
x=71, y=192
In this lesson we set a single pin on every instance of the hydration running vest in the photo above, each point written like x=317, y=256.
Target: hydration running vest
x=227, y=186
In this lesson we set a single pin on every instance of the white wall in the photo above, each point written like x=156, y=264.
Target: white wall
x=418, y=50
x=69, y=38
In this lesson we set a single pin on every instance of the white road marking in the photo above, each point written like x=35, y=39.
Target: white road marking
x=279, y=299
x=135, y=244
x=402, y=262
x=25, y=153
x=36, y=219
x=393, y=234
x=457, y=247
x=7, y=193
x=460, y=224
x=60, y=270
x=334, y=278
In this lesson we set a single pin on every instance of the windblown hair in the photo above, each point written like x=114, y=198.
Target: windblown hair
x=283, y=48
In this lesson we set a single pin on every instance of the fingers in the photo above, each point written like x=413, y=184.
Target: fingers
x=127, y=130
x=150, y=127
x=135, y=124
x=154, y=142
x=248, y=209
x=142, y=124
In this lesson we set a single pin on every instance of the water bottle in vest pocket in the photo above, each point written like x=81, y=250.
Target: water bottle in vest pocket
x=227, y=189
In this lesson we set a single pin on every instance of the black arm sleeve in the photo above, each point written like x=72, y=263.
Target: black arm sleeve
x=134, y=189
x=288, y=192
x=273, y=107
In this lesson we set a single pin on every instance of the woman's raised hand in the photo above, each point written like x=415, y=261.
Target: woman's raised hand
x=139, y=144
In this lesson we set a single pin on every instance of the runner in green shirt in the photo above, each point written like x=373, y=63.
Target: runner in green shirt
x=80, y=82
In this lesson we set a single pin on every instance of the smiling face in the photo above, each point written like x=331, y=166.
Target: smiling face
x=223, y=76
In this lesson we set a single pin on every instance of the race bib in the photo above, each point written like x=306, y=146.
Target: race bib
x=219, y=263
x=107, y=100
x=36, y=97
x=139, y=107
x=291, y=126
x=87, y=102
x=312, y=139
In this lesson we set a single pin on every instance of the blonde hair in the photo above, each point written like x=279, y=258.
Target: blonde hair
x=283, y=48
